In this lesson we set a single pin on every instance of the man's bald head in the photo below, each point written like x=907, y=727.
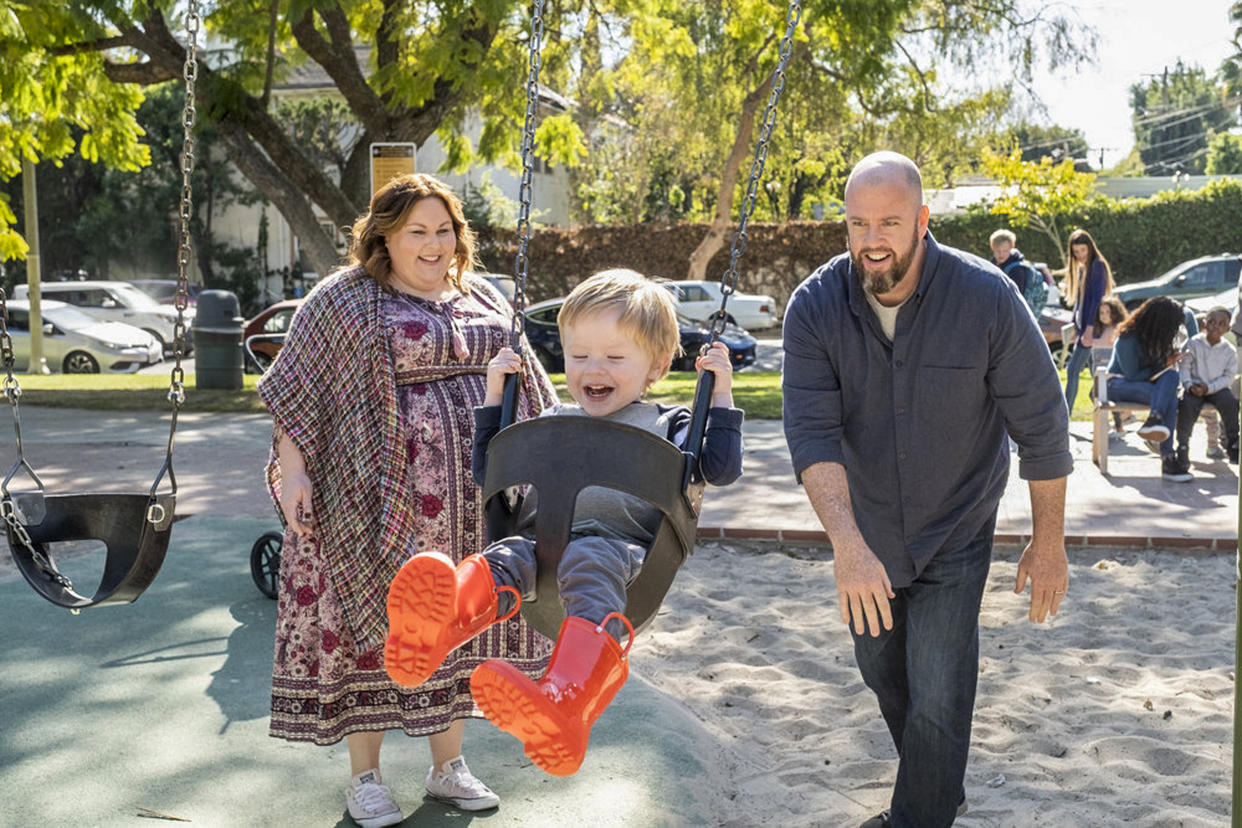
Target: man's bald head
x=885, y=169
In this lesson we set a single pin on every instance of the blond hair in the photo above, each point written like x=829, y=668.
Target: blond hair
x=1002, y=235
x=648, y=312
x=390, y=208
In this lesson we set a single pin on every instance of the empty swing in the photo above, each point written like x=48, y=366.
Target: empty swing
x=559, y=457
x=134, y=527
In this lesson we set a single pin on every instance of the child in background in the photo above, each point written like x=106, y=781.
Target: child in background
x=619, y=331
x=1207, y=374
x=1100, y=338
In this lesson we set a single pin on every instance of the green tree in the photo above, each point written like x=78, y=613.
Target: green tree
x=1056, y=142
x=1224, y=155
x=694, y=78
x=1037, y=193
x=1175, y=116
x=427, y=64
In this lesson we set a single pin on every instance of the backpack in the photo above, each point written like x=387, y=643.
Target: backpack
x=1036, y=292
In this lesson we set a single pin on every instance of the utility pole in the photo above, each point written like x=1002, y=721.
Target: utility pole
x=38, y=363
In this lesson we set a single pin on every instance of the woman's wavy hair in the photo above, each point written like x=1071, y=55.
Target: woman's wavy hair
x=1073, y=282
x=1156, y=324
x=390, y=207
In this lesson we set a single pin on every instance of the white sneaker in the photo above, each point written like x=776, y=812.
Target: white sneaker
x=455, y=784
x=370, y=802
x=1216, y=453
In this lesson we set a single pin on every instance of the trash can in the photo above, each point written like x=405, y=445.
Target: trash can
x=217, y=331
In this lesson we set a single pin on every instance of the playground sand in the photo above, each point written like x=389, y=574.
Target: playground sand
x=1118, y=711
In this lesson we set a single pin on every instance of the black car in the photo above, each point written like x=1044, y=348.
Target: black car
x=545, y=339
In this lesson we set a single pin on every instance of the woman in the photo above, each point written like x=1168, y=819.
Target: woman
x=1089, y=280
x=1143, y=371
x=372, y=397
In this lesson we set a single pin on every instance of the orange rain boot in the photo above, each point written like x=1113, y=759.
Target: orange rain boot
x=434, y=608
x=553, y=716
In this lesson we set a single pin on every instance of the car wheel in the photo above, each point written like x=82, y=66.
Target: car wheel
x=158, y=338
x=80, y=362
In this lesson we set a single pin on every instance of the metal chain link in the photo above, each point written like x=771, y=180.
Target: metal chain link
x=522, y=263
x=11, y=389
x=23, y=537
x=728, y=282
x=176, y=388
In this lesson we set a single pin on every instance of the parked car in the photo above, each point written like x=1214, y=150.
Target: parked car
x=545, y=339
x=270, y=326
x=699, y=300
x=74, y=343
x=1204, y=276
x=164, y=291
x=116, y=302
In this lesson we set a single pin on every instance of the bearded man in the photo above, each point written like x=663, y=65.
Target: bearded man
x=907, y=365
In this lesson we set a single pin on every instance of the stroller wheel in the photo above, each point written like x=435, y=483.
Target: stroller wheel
x=265, y=562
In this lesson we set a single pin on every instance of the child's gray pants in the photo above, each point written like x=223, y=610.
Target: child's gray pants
x=592, y=575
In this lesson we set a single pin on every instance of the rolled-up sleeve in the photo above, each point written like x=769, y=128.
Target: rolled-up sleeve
x=1024, y=384
x=811, y=391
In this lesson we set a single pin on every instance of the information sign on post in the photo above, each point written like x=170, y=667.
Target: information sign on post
x=389, y=160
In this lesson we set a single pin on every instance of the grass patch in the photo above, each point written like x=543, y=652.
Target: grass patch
x=758, y=393
x=133, y=392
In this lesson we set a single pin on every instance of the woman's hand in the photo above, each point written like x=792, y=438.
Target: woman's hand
x=717, y=361
x=1087, y=339
x=295, y=502
x=504, y=363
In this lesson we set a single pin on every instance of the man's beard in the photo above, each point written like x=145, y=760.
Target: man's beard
x=877, y=282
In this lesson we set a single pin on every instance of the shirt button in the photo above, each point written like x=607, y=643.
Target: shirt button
x=901, y=455
x=899, y=363
x=901, y=409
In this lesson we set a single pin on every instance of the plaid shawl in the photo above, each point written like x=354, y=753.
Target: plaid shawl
x=332, y=390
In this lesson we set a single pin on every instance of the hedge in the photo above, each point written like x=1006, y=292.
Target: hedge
x=1141, y=238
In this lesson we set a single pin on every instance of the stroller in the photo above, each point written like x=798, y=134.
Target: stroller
x=265, y=562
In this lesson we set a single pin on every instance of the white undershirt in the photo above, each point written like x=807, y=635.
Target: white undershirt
x=886, y=315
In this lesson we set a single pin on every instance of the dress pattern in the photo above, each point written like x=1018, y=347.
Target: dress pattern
x=324, y=687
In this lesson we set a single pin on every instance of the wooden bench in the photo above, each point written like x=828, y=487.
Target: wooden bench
x=1100, y=416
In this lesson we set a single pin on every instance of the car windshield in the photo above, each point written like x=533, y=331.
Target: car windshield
x=68, y=318
x=134, y=298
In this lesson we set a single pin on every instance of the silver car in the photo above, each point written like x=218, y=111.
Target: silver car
x=74, y=343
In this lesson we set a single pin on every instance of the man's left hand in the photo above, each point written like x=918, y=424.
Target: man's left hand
x=1047, y=568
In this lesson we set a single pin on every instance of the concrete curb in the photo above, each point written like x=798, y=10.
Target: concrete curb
x=1129, y=541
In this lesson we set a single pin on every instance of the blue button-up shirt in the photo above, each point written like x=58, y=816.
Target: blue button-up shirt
x=920, y=423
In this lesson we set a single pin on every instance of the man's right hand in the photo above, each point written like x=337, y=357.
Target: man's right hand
x=863, y=588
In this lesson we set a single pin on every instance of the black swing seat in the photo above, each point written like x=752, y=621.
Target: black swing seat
x=135, y=528
x=561, y=456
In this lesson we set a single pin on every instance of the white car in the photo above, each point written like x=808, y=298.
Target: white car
x=116, y=302
x=699, y=300
x=74, y=343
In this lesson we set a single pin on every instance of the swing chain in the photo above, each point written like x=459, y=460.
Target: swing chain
x=728, y=282
x=11, y=389
x=23, y=537
x=522, y=263
x=176, y=389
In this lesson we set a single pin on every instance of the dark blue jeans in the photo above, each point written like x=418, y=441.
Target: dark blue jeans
x=923, y=672
x=1160, y=396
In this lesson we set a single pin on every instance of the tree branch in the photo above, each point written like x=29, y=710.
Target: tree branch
x=338, y=60
x=100, y=45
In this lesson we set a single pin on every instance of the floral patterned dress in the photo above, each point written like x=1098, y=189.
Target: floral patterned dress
x=323, y=687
